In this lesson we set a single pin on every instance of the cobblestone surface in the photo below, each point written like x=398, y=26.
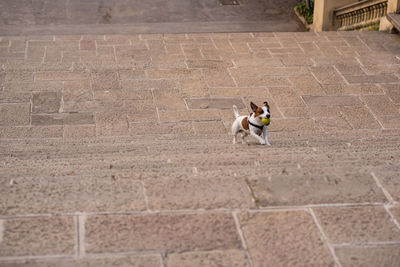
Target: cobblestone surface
x=115, y=150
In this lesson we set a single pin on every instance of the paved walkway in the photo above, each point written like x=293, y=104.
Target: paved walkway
x=146, y=16
x=115, y=150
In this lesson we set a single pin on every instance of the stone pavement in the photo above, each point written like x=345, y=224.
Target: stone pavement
x=146, y=16
x=115, y=150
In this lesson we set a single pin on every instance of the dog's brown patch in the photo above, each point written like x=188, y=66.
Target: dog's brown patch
x=256, y=109
x=245, y=124
x=258, y=112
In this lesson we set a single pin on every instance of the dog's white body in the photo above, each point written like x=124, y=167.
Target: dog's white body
x=240, y=124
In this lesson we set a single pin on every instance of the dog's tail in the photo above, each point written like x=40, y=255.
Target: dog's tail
x=236, y=111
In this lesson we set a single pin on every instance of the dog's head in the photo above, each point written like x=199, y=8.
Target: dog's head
x=261, y=112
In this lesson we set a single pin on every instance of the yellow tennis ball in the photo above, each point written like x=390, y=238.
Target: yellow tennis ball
x=265, y=121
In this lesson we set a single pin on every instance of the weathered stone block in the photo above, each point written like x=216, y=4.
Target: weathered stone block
x=14, y=114
x=360, y=118
x=381, y=105
x=151, y=260
x=209, y=127
x=218, y=78
x=197, y=193
x=45, y=236
x=208, y=64
x=194, y=88
x=357, y=224
x=70, y=193
x=77, y=90
x=62, y=118
x=273, y=236
x=110, y=123
x=60, y=76
x=20, y=132
x=306, y=85
x=379, y=78
x=231, y=258
x=368, y=256
x=393, y=92
x=87, y=45
x=18, y=76
x=169, y=100
x=105, y=81
x=170, y=232
x=332, y=100
x=286, y=97
x=391, y=182
x=79, y=131
x=214, y=103
x=46, y=102
x=174, y=74
x=161, y=128
x=327, y=75
x=309, y=188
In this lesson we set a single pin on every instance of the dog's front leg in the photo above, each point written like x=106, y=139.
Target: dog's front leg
x=259, y=138
x=265, y=133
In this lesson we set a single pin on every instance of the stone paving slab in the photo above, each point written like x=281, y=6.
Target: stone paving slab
x=125, y=261
x=368, y=224
x=284, y=238
x=44, y=235
x=70, y=194
x=135, y=16
x=197, y=192
x=214, y=258
x=315, y=187
x=369, y=256
x=116, y=150
x=170, y=232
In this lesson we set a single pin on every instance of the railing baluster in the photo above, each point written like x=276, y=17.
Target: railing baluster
x=361, y=14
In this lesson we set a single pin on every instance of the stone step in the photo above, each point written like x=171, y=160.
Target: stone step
x=194, y=142
x=185, y=189
x=164, y=152
x=394, y=18
x=193, y=156
x=142, y=168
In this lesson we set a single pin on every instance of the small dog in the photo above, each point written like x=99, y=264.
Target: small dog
x=252, y=124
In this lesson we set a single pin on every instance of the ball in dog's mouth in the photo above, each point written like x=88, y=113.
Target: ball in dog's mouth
x=265, y=121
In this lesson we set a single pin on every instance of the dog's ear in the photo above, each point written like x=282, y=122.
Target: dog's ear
x=266, y=104
x=253, y=106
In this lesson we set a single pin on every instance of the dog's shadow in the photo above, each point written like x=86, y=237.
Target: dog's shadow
x=250, y=142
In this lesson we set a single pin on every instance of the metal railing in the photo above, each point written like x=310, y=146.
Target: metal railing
x=360, y=15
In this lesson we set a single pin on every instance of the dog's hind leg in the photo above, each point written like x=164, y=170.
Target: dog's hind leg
x=243, y=136
x=235, y=130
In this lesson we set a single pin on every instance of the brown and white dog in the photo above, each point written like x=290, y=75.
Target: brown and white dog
x=252, y=124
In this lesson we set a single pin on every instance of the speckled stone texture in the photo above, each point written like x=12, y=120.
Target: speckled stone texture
x=123, y=261
x=357, y=224
x=369, y=256
x=284, y=238
x=116, y=150
x=233, y=258
x=172, y=232
x=37, y=236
